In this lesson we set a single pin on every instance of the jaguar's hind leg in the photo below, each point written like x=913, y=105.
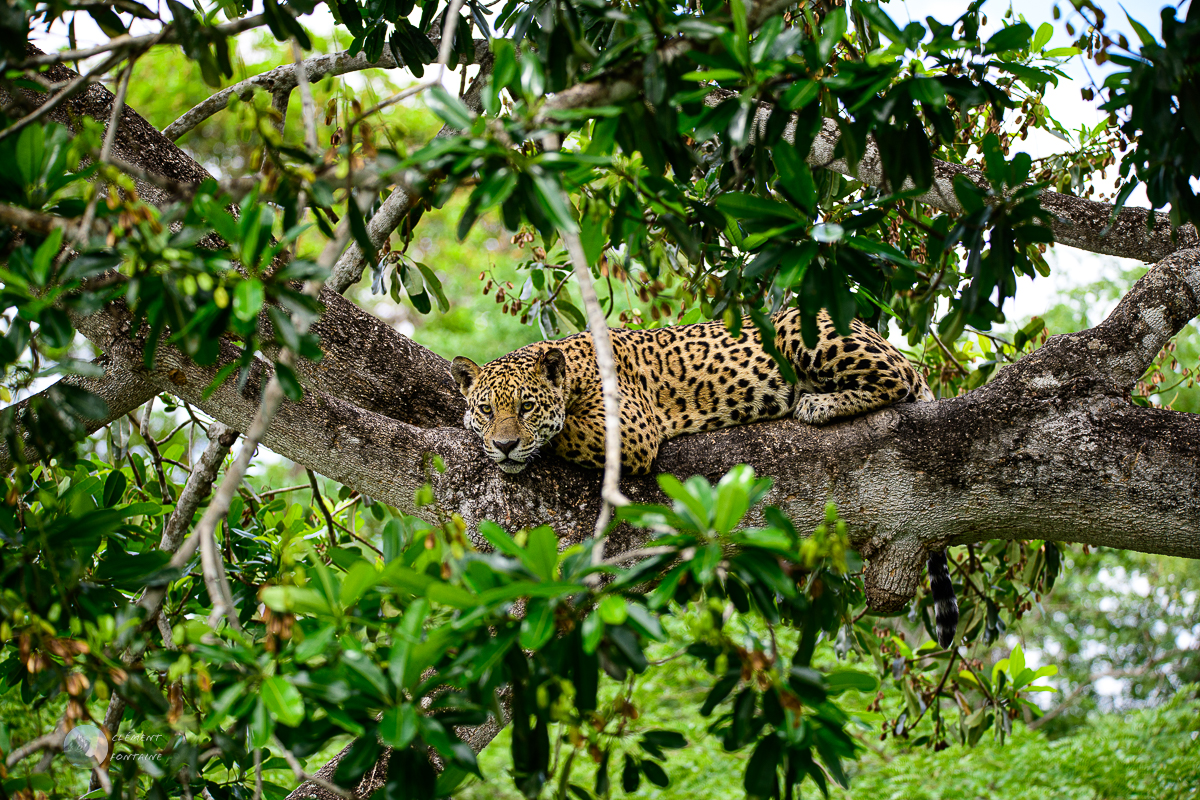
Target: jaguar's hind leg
x=818, y=409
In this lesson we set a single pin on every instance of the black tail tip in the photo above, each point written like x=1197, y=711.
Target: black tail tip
x=945, y=606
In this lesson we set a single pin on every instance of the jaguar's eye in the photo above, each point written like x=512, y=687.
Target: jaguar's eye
x=486, y=409
x=527, y=406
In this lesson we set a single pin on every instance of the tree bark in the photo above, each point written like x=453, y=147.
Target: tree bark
x=1052, y=448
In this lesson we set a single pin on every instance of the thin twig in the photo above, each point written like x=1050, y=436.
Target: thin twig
x=167, y=35
x=319, y=501
x=308, y=108
x=284, y=490
x=152, y=446
x=961, y=369
x=391, y=101
x=50, y=741
x=110, y=136
x=445, y=46
x=349, y=268
x=610, y=392
x=644, y=552
x=163, y=440
x=938, y=690
x=357, y=536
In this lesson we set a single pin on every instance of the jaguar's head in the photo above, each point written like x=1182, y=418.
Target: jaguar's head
x=516, y=404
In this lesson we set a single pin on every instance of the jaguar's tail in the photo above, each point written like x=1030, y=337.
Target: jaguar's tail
x=945, y=606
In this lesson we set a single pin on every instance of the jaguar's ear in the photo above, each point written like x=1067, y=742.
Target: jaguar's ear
x=465, y=371
x=553, y=364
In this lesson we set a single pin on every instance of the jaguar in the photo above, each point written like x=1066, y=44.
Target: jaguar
x=686, y=379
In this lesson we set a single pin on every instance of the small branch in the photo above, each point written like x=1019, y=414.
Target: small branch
x=110, y=136
x=284, y=490
x=643, y=552
x=937, y=691
x=284, y=79
x=199, y=485
x=308, y=108
x=610, y=491
x=447, y=43
x=152, y=446
x=166, y=36
x=51, y=741
x=34, y=221
x=961, y=369
x=319, y=501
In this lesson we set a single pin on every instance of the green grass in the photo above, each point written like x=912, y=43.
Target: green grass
x=1151, y=754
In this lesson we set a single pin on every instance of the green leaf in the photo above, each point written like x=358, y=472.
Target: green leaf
x=761, y=779
x=800, y=94
x=671, y=740
x=538, y=625
x=398, y=726
x=553, y=200
x=630, y=776
x=541, y=552
x=843, y=680
x=1044, y=32
x=288, y=381
x=283, y=701
x=301, y=600
x=432, y=282
x=795, y=178
x=1016, y=660
x=29, y=152
x=713, y=75
x=43, y=259
x=449, y=108
x=114, y=487
x=408, y=635
x=358, y=229
x=928, y=90
x=749, y=206
x=1144, y=35
x=655, y=773
x=248, y=298
x=688, y=502
x=1014, y=37
x=366, y=674
x=56, y=329
x=613, y=610
x=261, y=725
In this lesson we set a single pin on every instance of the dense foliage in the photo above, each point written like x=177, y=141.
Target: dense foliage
x=676, y=142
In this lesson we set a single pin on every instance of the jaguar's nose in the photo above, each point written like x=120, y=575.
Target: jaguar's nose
x=506, y=446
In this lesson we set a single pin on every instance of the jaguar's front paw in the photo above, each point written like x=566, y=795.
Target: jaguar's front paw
x=815, y=409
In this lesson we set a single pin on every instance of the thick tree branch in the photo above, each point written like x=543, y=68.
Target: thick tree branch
x=1050, y=449
x=366, y=362
x=120, y=390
